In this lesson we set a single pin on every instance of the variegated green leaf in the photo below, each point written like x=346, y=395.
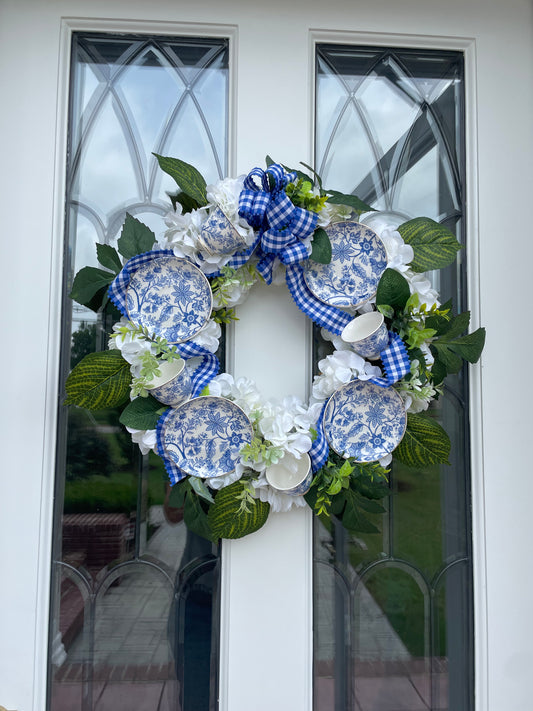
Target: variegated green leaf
x=186, y=176
x=100, y=380
x=424, y=443
x=228, y=521
x=434, y=246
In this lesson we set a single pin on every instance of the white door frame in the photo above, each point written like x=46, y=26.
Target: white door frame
x=497, y=40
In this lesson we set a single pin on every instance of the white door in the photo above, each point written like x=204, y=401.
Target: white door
x=271, y=113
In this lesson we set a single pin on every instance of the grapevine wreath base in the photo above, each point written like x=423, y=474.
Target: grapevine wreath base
x=232, y=456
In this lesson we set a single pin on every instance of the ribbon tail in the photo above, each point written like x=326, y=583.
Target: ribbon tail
x=204, y=373
x=319, y=451
x=395, y=361
x=329, y=317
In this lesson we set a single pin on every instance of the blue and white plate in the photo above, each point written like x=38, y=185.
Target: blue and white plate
x=357, y=262
x=204, y=436
x=364, y=421
x=170, y=297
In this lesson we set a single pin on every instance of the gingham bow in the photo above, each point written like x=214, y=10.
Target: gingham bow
x=265, y=206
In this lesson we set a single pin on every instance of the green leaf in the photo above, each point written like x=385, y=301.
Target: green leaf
x=456, y=326
x=188, y=178
x=351, y=516
x=100, y=380
x=393, y=290
x=438, y=369
x=425, y=443
x=269, y=161
x=434, y=246
x=317, y=177
x=226, y=518
x=142, y=413
x=195, y=517
x=135, y=238
x=337, y=198
x=470, y=346
x=108, y=257
x=450, y=360
x=201, y=489
x=178, y=492
x=90, y=286
x=441, y=324
x=321, y=247
x=188, y=204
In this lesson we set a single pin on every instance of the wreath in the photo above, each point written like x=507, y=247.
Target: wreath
x=359, y=274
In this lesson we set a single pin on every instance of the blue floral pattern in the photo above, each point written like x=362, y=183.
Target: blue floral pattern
x=218, y=235
x=171, y=297
x=204, y=436
x=358, y=259
x=364, y=421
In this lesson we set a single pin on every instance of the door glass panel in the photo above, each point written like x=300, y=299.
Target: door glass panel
x=134, y=616
x=393, y=609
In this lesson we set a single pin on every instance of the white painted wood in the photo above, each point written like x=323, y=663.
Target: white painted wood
x=272, y=110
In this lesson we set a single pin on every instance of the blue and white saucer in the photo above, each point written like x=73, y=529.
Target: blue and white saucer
x=364, y=421
x=204, y=436
x=358, y=260
x=170, y=297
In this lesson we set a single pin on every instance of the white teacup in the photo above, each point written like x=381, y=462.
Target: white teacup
x=291, y=475
x=367, y=334
x=218, y=236
x=174, y=385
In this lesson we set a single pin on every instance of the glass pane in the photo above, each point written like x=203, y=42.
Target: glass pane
x=134, y=617
x=393, y=609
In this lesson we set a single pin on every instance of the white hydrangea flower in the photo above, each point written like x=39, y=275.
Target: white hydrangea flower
x=146, y=439
x=399, y=254
x=420, y=284
x=279, y=502
x=225, y=195
x=183, y=232
x=340, y=368
x=208, y=337
x=334, y=213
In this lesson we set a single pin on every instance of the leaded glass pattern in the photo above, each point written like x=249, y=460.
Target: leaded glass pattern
x=393, y=608
x=134, y=616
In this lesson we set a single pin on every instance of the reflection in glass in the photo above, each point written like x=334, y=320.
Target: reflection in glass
x=393, y=617
x=134, y=621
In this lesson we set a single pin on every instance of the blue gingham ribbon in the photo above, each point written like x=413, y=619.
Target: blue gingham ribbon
x=264, y=204
x=395, y=361
x=329, y=317
x=118, y=287
x=319, y=451
x=175, y=474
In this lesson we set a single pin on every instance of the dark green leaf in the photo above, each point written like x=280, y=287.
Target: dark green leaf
x=434, y=246
x=142, y=413
x=195, y=517
x=337, y=198
x=227, y=521
x=176, y=499
x=352, y=518
x=108, y=257
x=441, y=324
x=135, y=238
x=90, y=285
x=393, y=290
x=470, y=346
x=188, y=204
x=188, y=178
x=269, y=161
x=425, y=443
x=438, y=369
x=321, y=247
x=100, y=380
x=456, y=326
x=451, y=361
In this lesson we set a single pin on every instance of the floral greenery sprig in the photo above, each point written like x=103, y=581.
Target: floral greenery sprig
x=236, y=505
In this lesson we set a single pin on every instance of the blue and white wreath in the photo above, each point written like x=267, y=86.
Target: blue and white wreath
x=232, y=456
